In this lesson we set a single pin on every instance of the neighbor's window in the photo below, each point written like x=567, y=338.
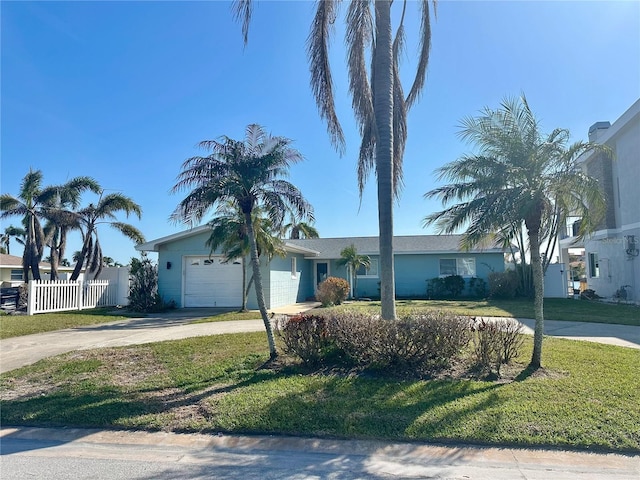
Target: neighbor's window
x=594, y=265
x=16, y=275
x=294, y=267
x=465, y=267
x=447, y=267
x=372, y=271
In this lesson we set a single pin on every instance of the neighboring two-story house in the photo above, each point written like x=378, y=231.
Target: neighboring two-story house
x=611, y=253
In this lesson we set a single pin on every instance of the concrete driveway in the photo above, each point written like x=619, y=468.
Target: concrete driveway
x=20, y=351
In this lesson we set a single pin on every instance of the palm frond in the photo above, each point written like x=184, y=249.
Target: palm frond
x=425, y=49
x=321, y=80
x=242, y=10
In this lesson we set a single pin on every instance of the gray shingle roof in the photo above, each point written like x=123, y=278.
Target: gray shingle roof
x=433, y=244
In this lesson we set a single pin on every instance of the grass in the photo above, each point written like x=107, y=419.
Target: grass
x=554, y=309
x=17, y=325
x=228, y=316
x=588, y=396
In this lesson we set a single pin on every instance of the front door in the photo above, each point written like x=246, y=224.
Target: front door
x=322, y=272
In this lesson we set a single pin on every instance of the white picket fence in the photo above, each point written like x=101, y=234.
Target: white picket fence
x=60, y=295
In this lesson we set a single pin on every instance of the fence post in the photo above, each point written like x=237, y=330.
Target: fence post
x=79, y=299
x=31, y=297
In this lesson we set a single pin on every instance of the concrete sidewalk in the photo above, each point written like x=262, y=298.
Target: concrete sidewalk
x=20, y=351
x=170, y=456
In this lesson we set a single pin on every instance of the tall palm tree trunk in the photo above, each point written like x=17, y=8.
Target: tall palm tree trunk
x=383, y=105
x=255, y=262
x=244, y=284
x=538, y=290
x=83, y=254
x=31, y=256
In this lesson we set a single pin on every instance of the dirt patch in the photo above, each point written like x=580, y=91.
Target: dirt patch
x=121, y=367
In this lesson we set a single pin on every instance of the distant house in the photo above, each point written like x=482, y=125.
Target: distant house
x=611, y=253
x=10, y=270
x=189, y=276
x=11, y=274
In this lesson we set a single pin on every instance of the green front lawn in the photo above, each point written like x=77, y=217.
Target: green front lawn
x=588, y=396
x=554, y=309
x=17, y=325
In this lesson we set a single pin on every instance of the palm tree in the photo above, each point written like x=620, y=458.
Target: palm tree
x=19, y=233
x=103, y=212
x=349, y=256
x=62, y=218
x=31, y=205
x=378, y=100
x=297, y=228
x=519, y=176
x=229, y=232
x=249, y=173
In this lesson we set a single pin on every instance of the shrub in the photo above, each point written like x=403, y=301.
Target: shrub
x=305, y=336
x=451, y=286
x=589, y=294
x=332, y=291
x=478, y=287
x=435, y=288
x=418, y=342
x=23, y=296
x=503, y=284
x=143, y=291
x=496, y=342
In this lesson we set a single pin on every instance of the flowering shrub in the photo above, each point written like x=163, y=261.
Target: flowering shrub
x=333, y=291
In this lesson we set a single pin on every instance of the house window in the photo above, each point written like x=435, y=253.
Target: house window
x=465, y=267
x=594, y=265
x=372, y=271
x=294, y=267
x=16, y=275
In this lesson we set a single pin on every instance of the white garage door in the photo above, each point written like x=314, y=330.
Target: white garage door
x=209, y=282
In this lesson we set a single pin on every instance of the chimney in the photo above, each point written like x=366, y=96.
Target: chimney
x=597, y=129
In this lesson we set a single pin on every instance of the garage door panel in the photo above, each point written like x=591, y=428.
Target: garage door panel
x=210, y=282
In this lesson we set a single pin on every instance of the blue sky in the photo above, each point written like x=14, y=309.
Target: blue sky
x=123, y=92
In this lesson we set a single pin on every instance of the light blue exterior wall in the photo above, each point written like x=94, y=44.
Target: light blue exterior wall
x=282, y=288
x=413, y=270
x=170, y=280
x=286, y=288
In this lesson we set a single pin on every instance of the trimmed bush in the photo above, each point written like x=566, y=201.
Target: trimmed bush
x=305, y=336
x=416, y=343
x=496, y=342
x=332, y=291
x=478, y=287
x=504, y=284
x=451, y=286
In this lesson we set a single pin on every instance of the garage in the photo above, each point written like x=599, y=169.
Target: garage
x=210, y=282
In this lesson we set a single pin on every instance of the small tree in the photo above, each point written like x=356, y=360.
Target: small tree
x=353, y=261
